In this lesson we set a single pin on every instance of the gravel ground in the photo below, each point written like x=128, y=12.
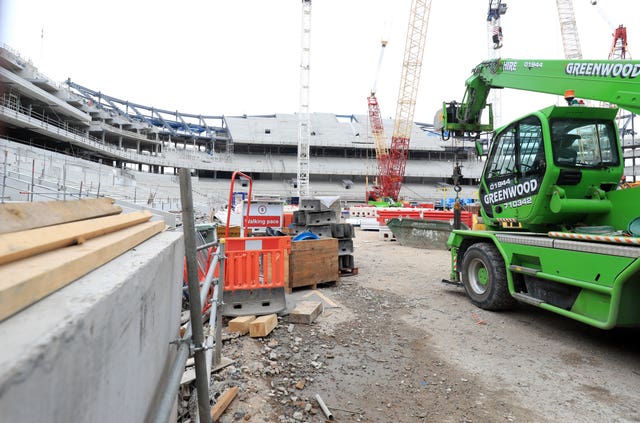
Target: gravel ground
x=394, y=344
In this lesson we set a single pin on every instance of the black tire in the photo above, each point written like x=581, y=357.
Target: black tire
x=485, y=279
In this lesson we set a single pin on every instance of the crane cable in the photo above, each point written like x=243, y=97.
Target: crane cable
x=603, y=15
x=383, y=43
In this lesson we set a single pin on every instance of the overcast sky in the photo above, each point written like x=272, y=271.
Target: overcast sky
x=235, y=57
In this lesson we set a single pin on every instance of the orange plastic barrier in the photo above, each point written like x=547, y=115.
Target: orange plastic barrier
x=385, y=215
x=255, y=262
x=465, y=216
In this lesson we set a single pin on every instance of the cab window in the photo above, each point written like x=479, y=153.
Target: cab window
x=580, y=143
x=518, y=150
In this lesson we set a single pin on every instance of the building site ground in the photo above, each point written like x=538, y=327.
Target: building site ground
x=395, y=344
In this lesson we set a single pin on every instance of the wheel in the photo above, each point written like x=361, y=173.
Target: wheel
x=484, y=277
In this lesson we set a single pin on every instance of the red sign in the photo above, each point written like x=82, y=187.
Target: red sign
x=263, y=221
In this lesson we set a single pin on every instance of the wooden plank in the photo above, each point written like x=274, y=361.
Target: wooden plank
x=223, y=402
x=26, y=281
x=241, y=324
x=263, y=325
x=22, y=216
x=306, y=312
x=18, y=245
x=322, y=296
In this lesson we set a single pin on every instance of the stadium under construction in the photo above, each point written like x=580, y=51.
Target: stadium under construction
x=142, y=146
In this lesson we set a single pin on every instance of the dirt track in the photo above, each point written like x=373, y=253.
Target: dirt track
x=396, y=345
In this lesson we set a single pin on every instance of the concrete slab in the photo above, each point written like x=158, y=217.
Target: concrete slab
x=96, y=350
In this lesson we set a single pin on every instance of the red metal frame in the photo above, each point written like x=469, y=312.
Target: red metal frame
x=619, y=46
x=382, y=154
x=233, y=179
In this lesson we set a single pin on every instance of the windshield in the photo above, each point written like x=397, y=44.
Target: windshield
x=580, y=143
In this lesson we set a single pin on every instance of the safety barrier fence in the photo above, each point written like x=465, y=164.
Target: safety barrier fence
x=385, y=215
x=256, y=262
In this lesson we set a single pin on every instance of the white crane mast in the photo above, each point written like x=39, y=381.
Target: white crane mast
x=494, y=36
x=569, y=30
x=304, y=119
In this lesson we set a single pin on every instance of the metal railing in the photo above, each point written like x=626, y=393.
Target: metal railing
x=34, y=175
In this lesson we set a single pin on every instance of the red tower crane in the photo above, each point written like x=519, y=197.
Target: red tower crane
x=392, y=169
x=619, y=48
x=377, y=129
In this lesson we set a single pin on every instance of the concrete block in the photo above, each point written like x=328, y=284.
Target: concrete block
x=337, y=230
x=323, y=231
x=311, y=204
x=299, y=217
x=385, y=234
x=320, y=218
x=346, y=262
x=345, y=246
x=306, y=312
x=342, y=230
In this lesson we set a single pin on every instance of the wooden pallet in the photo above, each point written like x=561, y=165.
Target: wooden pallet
x=289, y=289
x=349, y=272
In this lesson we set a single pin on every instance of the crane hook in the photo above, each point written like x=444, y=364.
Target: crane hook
x=457, y=206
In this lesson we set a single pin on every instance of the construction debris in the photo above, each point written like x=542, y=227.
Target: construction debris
x=324, y=407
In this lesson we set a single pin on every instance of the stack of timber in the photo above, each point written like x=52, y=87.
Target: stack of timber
x=256, y=327
x=44, y=246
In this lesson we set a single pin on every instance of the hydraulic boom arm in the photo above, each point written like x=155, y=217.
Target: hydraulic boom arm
x=614, y=81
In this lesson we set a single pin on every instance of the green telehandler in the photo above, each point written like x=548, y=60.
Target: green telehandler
x=560, y=232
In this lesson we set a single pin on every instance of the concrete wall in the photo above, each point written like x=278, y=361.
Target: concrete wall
x=96, y=350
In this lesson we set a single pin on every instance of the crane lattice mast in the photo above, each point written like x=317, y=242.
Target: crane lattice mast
x=494, y=30
x=377, y=128
x=374, y=112
x=393, y=174
x=304, y=119
x=620, y=51
x=569, y=30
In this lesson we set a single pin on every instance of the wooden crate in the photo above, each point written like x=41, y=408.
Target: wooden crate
x=312, y=262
